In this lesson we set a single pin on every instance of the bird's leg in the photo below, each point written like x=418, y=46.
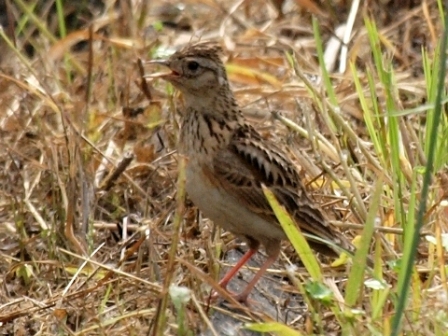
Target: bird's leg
x=242, y=297
x=231, y=273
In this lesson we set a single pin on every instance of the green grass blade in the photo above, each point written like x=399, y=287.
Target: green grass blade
x=356, y=277
x=272, y=327
x=405, y=274
x=370, y=117
x=295, y=236
x=61, y=18
x=393, y=135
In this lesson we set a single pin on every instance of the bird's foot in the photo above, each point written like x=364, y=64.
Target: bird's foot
x=241, y=297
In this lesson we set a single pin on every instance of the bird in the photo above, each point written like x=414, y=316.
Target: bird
x=228, y=162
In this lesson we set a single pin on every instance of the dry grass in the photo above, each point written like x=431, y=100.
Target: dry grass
x=88, y=183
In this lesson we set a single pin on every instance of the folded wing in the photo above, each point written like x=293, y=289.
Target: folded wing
x=246, y=164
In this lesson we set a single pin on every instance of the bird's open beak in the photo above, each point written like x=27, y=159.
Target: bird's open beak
x=165, y=75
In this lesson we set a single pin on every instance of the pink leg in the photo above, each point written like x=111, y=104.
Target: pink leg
x=231, y=273
x=244, y=295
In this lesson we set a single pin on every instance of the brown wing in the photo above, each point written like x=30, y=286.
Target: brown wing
x=247, y=163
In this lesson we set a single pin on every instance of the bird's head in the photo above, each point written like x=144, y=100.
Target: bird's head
x=196, y=70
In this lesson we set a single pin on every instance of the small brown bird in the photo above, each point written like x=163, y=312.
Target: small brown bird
x=228, y=161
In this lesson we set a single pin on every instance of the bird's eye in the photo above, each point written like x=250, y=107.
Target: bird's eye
x=193, y=65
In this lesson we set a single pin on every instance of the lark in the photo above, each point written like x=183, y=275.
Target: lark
x=228, y=162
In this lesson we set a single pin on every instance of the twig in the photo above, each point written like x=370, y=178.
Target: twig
x=113, y=176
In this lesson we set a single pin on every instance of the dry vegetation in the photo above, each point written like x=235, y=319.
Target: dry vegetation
x=89, y=168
